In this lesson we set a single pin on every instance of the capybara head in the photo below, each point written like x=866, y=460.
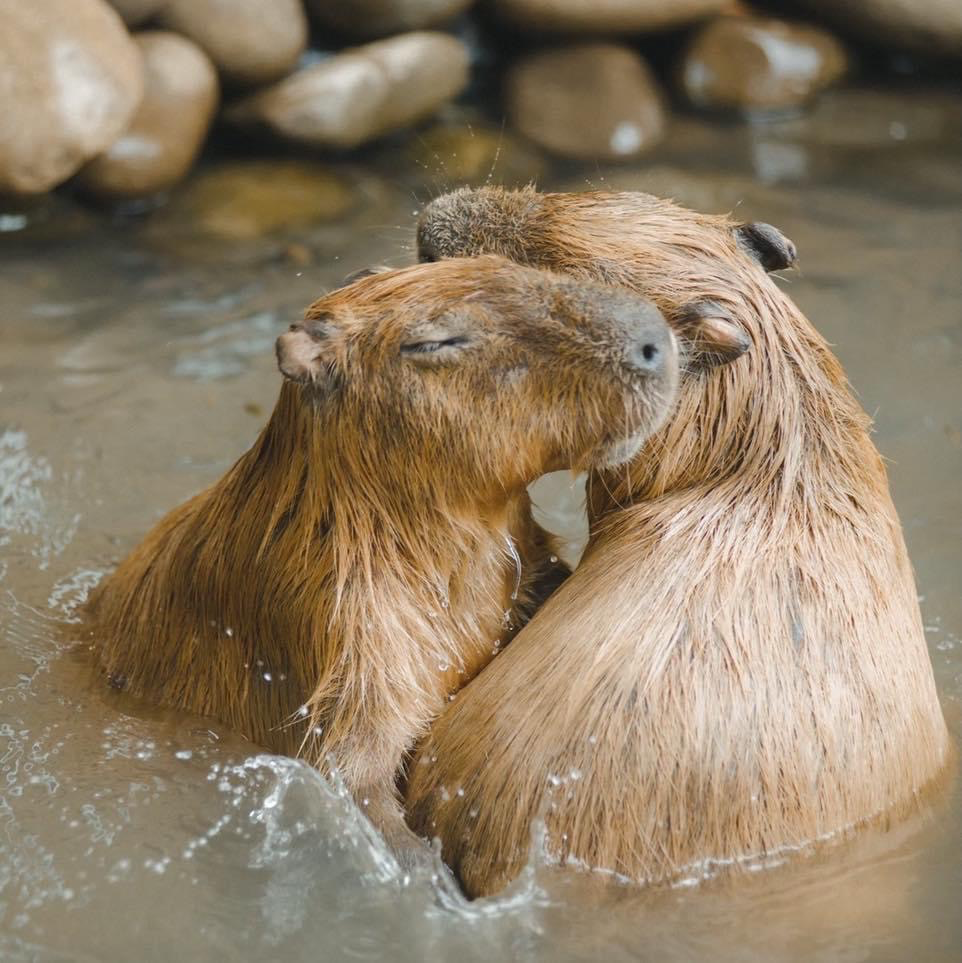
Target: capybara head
x=489, y=371
x=707, y=274
x=633, y=239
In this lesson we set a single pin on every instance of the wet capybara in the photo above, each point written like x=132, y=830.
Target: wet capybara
x=738, y=666
x=357, y=564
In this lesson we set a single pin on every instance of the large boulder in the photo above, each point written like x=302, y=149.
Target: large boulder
x=169, y=127
x=603, y=16
x=252, y=42
x=927, y=26
x=360, y=94
x=71, y=79
x=759, y=64
x=380, y=18
x=593, y=101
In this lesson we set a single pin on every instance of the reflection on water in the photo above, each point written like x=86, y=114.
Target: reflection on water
x=134, y=367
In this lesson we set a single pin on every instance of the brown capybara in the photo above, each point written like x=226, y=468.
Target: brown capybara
x=357, y=564
x=738, y=665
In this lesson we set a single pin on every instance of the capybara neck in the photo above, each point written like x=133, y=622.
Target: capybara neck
x=321, y=558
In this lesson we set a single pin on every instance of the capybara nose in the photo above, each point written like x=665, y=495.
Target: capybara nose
x=652, y=348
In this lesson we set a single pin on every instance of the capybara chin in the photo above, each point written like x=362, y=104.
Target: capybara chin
x=738, y=666
x=359, y=563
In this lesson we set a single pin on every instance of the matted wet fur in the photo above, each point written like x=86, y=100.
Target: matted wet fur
x=738, y=666
x=359, y=563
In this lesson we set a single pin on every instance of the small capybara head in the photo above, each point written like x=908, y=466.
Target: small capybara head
x=488, y=371
x=680, y=259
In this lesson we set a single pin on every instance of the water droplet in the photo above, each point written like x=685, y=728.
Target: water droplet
x=183, y=754
x=268, y=677
x=229, y=632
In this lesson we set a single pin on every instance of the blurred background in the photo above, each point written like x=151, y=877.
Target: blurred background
x=180, y=178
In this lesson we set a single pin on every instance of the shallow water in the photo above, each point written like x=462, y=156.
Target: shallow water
x=136, y=364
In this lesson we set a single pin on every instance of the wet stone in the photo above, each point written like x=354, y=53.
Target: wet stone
x=71, y=80
x=168, y=130
x=360, y=94
x=380, y=18
x=588, y=101
x=758, y=64
x=603, y=16
x=245, y=200
x=251, y=41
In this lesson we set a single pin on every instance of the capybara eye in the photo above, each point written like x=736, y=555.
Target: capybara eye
x=421, y=348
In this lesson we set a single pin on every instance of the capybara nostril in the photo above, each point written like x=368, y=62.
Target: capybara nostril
x=647, y=358
x=651, y=348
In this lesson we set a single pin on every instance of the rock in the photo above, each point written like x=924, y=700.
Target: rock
x=71, y=79
x=244, y=200
x=456, y=152
x=381, y=18
x=251, y=41
x=603, y=16
x=751, y=63
x=360, y=94
x=928, y=26
x=589, y=101
x=135, y=12
x=168, y=130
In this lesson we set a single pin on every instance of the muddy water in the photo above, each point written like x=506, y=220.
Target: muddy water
x=135, y=365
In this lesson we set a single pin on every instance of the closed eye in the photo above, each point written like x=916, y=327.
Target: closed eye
x=430, y=347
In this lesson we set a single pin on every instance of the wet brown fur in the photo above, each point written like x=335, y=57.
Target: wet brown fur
x=354, y=568
x=738, y=666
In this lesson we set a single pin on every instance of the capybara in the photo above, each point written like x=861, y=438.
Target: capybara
x=738, y=665
x=359, y=563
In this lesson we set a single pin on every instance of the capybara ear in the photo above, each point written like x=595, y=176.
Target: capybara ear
x=711, y=336
x=767, y=245
x=304, y=353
